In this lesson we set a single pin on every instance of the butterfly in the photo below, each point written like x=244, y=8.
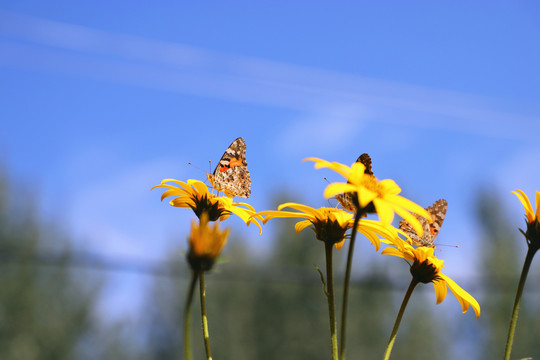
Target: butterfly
x=231, y=175
x=347, y=199
x=437, y=211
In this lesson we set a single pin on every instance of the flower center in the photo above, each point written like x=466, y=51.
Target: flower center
x=209, y=205
x=328, y=228
x=424, y=272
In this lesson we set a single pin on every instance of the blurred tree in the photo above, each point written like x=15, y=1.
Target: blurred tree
x=503, y=252
x=45, y=308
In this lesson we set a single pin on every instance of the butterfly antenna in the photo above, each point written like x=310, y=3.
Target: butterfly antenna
x=328, y=200
x=447, y=245
x=195, y=166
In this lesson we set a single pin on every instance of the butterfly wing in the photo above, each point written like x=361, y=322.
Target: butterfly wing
x=437, y=211
x=231, y=175
x=365, y=159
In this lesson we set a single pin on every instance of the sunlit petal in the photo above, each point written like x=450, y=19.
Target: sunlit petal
x=384, y=210
x=338, y=188
x=301, y=225
x=463, y=297
x=412, y=220
x=300, y=207
x=537, y=205
x=394, y=252
x=440, y=290
x=526, y=205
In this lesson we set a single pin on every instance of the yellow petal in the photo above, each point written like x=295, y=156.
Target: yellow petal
x=412, y=220
x=245, y=205
x=537, y=205
x=463, y=297
x=181, y=183
x=338, y=188
x=245, y=215
x=199, y=186
x=171, y=192
x=440, y=290
x=341, y=169
x=423, y=253
x=301, y=225
x=384, y=210
x=339, y=245
x=257, y=224
x=389, y=187
x=407, y=204
x=394, y=252
x=374, y=239
x=241, y=213
x=182, y=202
x=526, y=204
x=308, y=210
x=271, y=214
x=357, y=173
x=365, y=196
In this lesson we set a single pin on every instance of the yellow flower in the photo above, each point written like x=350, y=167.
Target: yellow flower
x=331, y=224
x=427, y=268
x=205, y=244
x=383, y=195
x=195, y=195
x=533, y=222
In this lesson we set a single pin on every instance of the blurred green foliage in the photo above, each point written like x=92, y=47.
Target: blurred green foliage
x=265, y=306
x=503, y=253
x=46, y=306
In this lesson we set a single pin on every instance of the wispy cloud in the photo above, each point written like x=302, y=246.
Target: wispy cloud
x=330, y=128
x=46, y=45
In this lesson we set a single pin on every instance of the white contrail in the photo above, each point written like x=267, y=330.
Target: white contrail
x=52, y=46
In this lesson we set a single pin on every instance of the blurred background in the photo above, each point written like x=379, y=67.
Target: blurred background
x=100, y=101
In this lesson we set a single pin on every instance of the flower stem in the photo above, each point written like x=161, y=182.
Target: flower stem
x=187, y=310
x=330, y=297
x=346, y=281
x=408, y=294
x=206, y=334
x=515, y=310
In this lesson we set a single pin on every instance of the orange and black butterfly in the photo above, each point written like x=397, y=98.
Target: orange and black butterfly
x=231, y=175
x=437, y=212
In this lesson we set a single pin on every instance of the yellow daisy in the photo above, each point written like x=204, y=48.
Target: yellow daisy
x=195, y=195
x=382, y=195
x=426, y=268
x=532, y=234
x=331, y=224
x=205, y=243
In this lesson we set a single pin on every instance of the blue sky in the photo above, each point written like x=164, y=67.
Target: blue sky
x=100, y=101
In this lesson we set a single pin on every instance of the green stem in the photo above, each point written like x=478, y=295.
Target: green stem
x=206, y=334
x=330, y=297
x=515, y=310
x=187, y=310
x=408, y=294
x=346, y=281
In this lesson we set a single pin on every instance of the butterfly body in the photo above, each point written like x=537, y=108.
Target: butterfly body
x=231, y=175
x=437, y=211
